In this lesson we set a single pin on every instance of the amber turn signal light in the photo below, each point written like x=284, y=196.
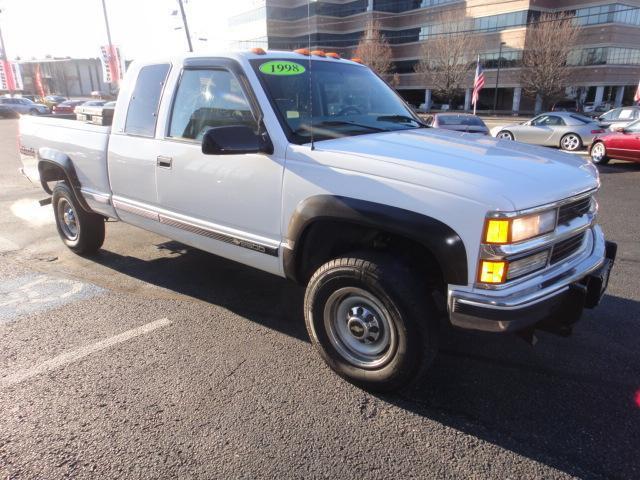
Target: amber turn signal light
x=493, y=271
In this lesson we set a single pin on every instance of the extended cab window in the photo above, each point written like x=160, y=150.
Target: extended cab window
x=143, y=106
x=205, y=99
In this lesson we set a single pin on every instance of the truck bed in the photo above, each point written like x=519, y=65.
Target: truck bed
x=85, y=143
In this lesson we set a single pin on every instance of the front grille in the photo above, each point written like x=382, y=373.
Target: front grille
x=566, y=248
x=573, y=210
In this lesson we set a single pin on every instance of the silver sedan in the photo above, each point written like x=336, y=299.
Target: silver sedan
x=569, y=131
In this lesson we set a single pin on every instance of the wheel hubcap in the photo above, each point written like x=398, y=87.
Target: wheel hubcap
x=598, y=152
x=571, y=142
x=359, y=328
x=69, y=223
x=504, y=136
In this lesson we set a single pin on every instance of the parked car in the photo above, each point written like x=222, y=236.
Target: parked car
x=596, y=111
x=460, y=122
x=24, y=105
x=623, y=144
x=391, y=226
x=6, y=112
x=569, y=131
x=33, y=98
x=619, y=117
x=53, y=100
x=566, y=106
x=68, y=106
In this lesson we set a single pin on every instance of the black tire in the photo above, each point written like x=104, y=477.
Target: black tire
x=89, y=227
x=505, y=135
x=34, y=111
x=599, y=157
x=571, y=146
x=403, y=298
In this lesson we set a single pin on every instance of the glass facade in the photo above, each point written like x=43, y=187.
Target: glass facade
x=492, y=23
x=508, y=59
x=610, y=13
x=604, y=56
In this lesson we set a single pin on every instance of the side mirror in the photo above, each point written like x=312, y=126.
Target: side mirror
x=235, y=140
x=620, y=129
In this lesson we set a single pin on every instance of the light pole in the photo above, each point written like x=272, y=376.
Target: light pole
x=495, y=92
x=186, y=26
x=4, y=52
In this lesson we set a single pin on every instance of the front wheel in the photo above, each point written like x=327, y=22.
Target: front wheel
x=372, y=321
x=570, y=142
x=599, y=154
x=81, y=231
x=34, y=111
x=505, y=135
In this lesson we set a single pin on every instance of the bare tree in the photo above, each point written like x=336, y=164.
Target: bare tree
x=374, y=49
x=546, y=57
x=447, y=57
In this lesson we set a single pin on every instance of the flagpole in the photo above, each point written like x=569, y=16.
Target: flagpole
x=475, y=98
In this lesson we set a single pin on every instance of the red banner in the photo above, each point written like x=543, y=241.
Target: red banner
x=38, y=81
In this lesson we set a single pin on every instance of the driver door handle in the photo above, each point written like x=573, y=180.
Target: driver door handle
x=164, y=162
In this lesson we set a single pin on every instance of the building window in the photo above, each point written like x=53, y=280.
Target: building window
x=611, y=13
x=491, y=23
x=509, y=59
x=604, y=55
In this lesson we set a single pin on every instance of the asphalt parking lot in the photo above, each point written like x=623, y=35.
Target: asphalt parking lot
x=153, y=360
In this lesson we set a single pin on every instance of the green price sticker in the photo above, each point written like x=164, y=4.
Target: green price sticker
x=278, y=67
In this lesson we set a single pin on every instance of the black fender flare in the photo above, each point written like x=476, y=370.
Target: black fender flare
x=438, y=238
x=55, y=165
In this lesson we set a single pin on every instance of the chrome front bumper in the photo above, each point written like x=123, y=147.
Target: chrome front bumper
x=559, y=293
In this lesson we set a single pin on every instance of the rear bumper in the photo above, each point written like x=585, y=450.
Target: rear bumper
x=547, y=300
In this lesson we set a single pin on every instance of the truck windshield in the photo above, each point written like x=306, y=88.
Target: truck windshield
x=330, y=99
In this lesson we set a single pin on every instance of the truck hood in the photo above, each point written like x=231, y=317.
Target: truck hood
x=470, y=165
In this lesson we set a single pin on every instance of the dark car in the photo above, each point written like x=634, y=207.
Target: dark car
x=623, y=144
x=566, y=106
x=53, y=100
x=67, y=106
x=460, y=122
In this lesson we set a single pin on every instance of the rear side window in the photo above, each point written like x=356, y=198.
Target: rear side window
x=143, y=105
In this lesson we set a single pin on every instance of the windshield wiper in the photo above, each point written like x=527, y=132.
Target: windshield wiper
x=400, y=119
x=337, y=123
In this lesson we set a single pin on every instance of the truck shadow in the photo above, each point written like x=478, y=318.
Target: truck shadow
x=258, y=296
x=572, y=404
x=567, y=403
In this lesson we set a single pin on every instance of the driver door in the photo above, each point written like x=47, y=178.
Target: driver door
x=540, y=130
x=226, y=204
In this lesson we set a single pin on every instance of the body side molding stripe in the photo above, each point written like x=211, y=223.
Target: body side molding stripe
x=198, y=230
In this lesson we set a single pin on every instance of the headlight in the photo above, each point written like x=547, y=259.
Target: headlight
x=513, y=230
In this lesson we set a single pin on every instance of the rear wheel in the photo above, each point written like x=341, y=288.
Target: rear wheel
x=599, y=154
x=372, y=321
x=571, y=142
x=505, y=135
x=81, y=231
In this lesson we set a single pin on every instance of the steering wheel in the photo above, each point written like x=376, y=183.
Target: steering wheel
x=349, y=109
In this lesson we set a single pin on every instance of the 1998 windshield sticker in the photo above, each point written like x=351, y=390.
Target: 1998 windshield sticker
x=279, y=67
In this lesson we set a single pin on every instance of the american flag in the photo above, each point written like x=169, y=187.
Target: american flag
x=478, y=83
x=637, y=96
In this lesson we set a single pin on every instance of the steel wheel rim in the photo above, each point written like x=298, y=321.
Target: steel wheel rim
x=68, y=219
x=570, y=142
x=360, y=328
x=504, y=136
x=597, y=152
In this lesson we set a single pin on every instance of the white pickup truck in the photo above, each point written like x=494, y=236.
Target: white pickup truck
x=310, y=167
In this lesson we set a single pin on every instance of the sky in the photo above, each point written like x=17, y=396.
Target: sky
x=76, y=28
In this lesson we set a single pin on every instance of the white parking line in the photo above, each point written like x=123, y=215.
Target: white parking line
x=79, y=353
